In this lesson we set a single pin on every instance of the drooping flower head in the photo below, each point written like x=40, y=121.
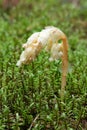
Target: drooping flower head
x=48, y=38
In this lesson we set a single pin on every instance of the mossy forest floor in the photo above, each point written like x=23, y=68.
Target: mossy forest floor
x=30, y=95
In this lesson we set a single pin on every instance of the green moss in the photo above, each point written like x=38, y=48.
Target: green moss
x=34, y=89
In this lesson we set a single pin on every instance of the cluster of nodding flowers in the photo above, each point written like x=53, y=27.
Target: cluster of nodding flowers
x=48, y=39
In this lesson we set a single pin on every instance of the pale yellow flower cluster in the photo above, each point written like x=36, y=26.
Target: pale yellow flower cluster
x=48, y=39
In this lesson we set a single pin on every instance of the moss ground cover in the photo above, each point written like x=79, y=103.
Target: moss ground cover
x=29, y=96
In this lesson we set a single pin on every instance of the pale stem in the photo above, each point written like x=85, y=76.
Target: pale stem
x=64, y=66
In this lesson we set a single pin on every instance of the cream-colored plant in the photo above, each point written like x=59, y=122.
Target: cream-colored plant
x=48, y=38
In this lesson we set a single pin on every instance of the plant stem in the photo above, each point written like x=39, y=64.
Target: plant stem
x=64, y=66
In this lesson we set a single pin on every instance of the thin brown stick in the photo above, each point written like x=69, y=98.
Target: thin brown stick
x=33, y=122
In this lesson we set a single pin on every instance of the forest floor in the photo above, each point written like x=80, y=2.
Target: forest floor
x=30, y=95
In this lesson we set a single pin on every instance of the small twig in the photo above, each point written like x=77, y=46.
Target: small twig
x=33, y=122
